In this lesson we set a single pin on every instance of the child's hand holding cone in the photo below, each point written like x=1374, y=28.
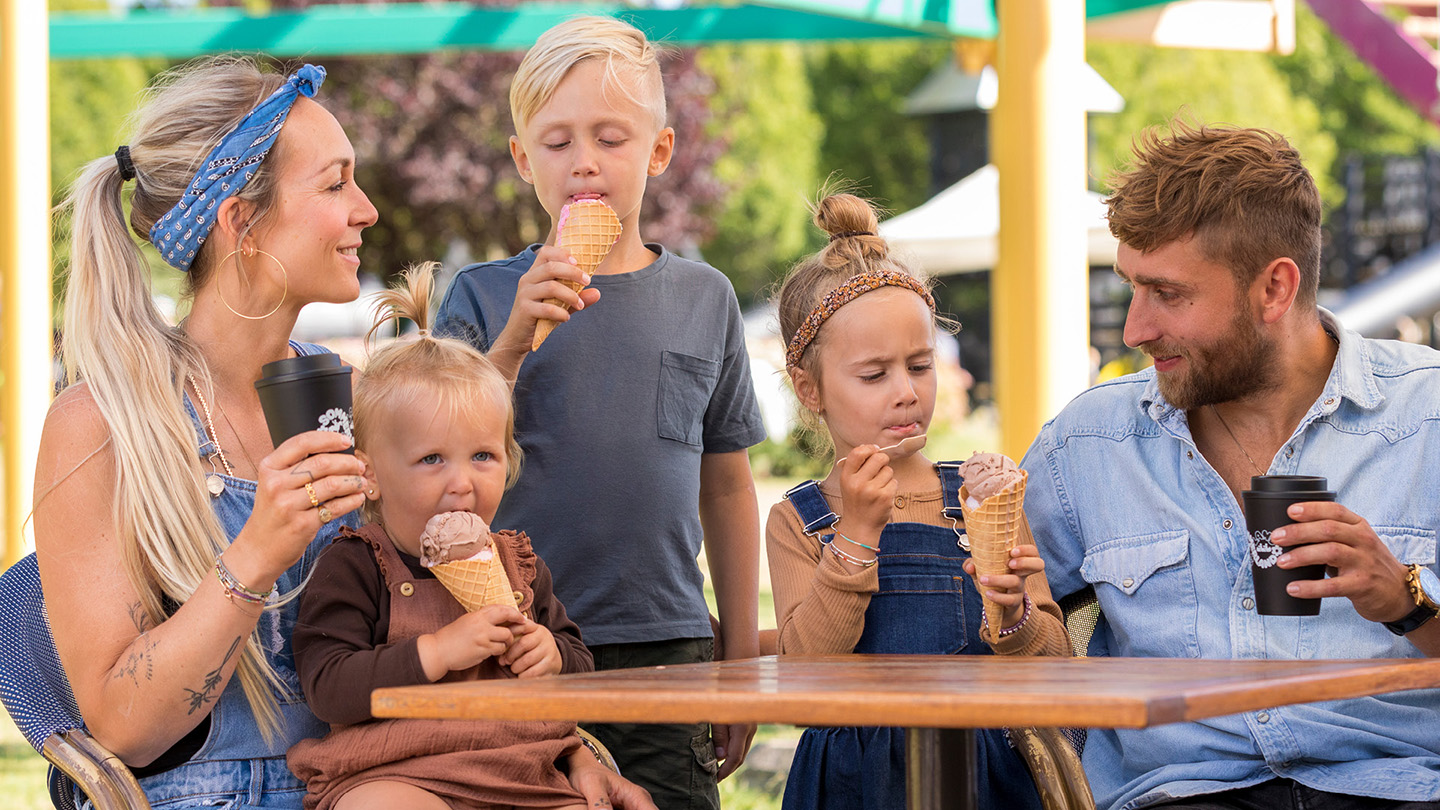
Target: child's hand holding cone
x=1002, y=550
x=470, y=639
x=587, y=229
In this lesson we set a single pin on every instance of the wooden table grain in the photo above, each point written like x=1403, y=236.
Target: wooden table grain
x=916, y=691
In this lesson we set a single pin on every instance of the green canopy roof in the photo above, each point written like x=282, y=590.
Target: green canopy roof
x=423, y=27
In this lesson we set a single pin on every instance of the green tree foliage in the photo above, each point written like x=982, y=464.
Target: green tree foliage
x=768, y=166
x=791, y=117
x=90, y=100
x=1324, y=98
x=1245, y=89
x=1357, y=107
x=860, y=90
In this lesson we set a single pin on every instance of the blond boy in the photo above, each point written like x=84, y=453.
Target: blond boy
x=636, y=410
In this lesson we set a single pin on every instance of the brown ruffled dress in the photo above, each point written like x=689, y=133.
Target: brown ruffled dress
x=470, y=764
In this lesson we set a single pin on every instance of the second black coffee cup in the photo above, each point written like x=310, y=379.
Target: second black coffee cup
x=304, y=393
x=1266, y=502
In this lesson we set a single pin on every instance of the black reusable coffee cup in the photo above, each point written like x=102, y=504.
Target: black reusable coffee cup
x=309, y=392
x=1265, y=503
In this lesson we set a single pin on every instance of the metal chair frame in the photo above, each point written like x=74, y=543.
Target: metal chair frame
x=38, y=697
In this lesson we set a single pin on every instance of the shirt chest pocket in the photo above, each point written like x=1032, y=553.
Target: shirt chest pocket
x=1409, y=545
x=1146, y=588
x=686, y=383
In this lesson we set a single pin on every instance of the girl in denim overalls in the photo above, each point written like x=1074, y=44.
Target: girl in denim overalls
x=874, y=558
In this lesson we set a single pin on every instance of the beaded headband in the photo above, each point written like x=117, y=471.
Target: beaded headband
x=853, y=288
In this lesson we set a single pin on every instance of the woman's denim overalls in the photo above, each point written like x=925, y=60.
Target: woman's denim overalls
x=235, y=769
x=926, y=605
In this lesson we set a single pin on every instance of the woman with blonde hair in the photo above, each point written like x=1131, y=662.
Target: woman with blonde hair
x=171, y=535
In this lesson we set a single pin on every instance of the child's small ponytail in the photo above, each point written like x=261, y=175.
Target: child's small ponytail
x=396, y=373
x=408, y=300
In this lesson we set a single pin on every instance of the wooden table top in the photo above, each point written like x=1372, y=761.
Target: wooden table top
x=964, y=691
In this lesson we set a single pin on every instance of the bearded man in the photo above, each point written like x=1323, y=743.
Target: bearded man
x=1135, y=487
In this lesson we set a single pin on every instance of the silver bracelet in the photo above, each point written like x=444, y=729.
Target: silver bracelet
x=853, y=560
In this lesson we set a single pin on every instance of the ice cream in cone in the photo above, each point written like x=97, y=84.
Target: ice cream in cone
x=992, y=500
x=457, y=547
x=588, y=229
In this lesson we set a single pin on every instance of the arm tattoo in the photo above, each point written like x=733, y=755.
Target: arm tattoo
x=139, y=617
x=206, y=694
x=139, y=660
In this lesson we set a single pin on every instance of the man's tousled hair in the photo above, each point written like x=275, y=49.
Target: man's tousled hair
x=1243, y=193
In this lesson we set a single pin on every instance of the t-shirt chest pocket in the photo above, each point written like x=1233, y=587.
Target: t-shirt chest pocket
x=686, y=384
x=1146, y=588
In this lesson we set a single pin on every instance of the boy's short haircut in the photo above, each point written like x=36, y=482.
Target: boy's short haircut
x=1243, y=193
x=632, y=65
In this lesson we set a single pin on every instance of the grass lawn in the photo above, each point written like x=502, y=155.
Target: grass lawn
x=22, y=771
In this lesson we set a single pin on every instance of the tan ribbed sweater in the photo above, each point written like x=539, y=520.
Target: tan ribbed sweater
x=820, y=605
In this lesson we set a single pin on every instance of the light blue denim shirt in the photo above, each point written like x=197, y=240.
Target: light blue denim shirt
x=1120, y=498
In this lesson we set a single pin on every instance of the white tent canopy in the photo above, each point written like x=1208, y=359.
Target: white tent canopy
x=956, y=231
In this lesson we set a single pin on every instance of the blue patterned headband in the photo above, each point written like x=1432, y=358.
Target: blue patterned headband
x=230, y=165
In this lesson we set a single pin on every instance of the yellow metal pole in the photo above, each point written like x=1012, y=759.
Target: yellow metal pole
x=25, y=342
x=1039, y=288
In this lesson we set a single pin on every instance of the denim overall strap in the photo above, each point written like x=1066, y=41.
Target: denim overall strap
x=812, y=507
x=925, y=604
x=950, y=483
x=237, y=767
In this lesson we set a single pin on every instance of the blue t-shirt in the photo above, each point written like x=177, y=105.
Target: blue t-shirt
x=1120, y=499
x=614, y=412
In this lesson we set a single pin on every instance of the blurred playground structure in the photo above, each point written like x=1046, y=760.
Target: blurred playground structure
x=1030, y=217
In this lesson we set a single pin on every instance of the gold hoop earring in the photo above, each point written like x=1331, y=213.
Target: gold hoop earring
x=284, y=292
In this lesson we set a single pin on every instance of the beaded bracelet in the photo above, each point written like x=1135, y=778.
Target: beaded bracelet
x=233, y=589
x=1025, y=617
x=847, y=539
x=853, y=560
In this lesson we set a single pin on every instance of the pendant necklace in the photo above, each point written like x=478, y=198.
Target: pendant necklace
x=213, y=482
x=1226, y=425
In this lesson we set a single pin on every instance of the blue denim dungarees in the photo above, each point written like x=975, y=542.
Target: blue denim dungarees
x=926, y=605
x=235, y=769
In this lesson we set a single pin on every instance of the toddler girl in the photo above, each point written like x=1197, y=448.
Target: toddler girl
x=874, y=559
x=434, y=427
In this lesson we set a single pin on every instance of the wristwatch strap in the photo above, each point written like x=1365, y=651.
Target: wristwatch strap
x=1415, y=618
x=1411, y=622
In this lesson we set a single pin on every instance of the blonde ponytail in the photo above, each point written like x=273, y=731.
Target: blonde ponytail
x=135, y=365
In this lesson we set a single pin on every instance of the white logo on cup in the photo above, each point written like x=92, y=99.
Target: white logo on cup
x=1263, y=552
x=337, y=420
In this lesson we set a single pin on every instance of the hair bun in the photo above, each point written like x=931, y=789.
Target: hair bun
x=846, y=217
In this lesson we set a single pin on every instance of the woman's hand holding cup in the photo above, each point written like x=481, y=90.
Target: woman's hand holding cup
x=310, y=477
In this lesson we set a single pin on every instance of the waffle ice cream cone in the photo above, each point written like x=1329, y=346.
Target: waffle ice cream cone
x=477, y=583
x=458, y=549
x=993, y=527
x=588, y=229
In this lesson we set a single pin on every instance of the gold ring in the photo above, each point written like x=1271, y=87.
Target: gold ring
x=310, y=490
x=325, y=516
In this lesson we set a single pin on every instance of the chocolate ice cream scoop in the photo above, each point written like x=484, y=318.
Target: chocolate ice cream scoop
x=453, y=536
x=986, y=474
